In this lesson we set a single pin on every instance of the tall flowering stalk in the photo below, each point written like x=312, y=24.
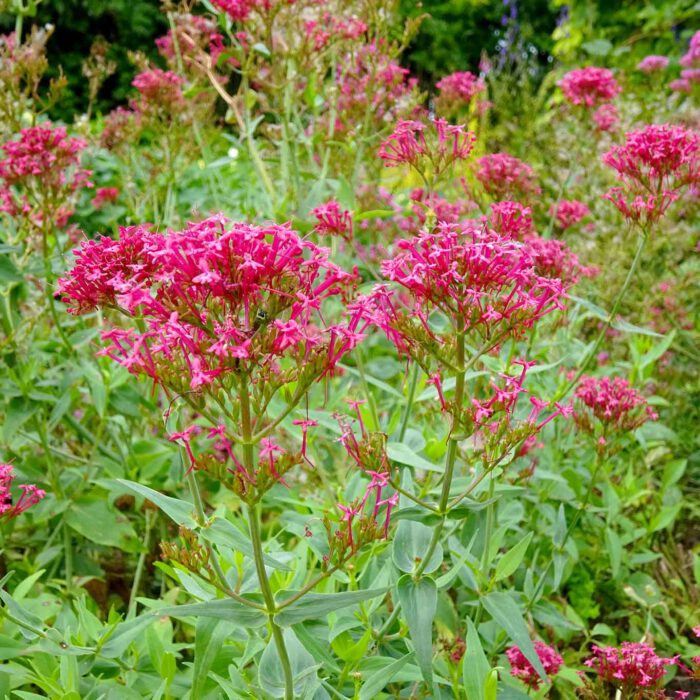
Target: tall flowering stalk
x=655, y=165
x=226, y=317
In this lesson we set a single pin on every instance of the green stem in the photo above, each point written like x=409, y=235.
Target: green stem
x=365, y=388
x=611, y=317
x=140, y=566
x=409, y=402
x=256, y=542
x=451, y=457
x=68, y=555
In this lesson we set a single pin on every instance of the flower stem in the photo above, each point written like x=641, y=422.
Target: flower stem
x=409, y=402
x=256, y=541
x=611, y=317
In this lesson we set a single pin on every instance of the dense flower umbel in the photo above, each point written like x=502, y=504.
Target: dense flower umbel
x=634, y=668
x=569, y=212
x=219, y=302
x=613, y=402
x=511, y=220
x=457, y=91
x=653, y=64
x=692, y=57
x=486, y=286
x=158, y=89
x=431, y=147
x=589, y=86
x=333, y=221
x=654, y=164
x=505, y=177
x=40, y=172
x=521, y=668
x=30, y=494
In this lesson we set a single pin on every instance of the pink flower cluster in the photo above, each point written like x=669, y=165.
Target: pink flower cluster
x=653, y=64
x=461, y=87
x=333, y=221
x=632, y=666
x=569, y=212
x=193, y=33
x=512, y=220
x=613, y=402
x=104, y=195
x=330, y=27
x=29, y=497
x=240, y=10
x=605, y=117
x=436, y=146
x=691, y=67
x=521, y=668
x=590, y=86
x=505, y=177
x=371, y=83
x=41, y=169
x=654, y=164
x=216, y=299
x=553, y=258
x=159, y=89
x=479, y=280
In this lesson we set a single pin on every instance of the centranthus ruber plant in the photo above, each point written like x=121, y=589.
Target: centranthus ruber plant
x=230, y=319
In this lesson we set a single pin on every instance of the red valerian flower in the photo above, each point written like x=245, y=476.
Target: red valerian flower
x=217, y=302
x=159, y=89
x=104, y=195
x=605, y=117
x=654, y=164
x=505, y=177
x=653, y=64
x=631, y=667
x=590, y=86
x=553, y=258
x=511, y=220
x=41, y=169
x=434, y=146
x=333, y=220
x=461, y=86
x=30, y=494
x=692, y=57
x=521, y=668
x=613, y=402
x=569, y=212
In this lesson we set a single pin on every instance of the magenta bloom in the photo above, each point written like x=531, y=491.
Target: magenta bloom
x=605, y=117
x=159, y=88
x=505, y=177
x=631, y=667
x=553, y=258
x=333, y=220
x=435, y=145
x=613, y=402
x=654, y=164
x=44, y=159
x=104, y=195
x=29, y=497
x=511, y=220
x=521, y=668
x=692, y=58
x=569, y=212
x=589, y=86
x=460, y=87
x=653, y=64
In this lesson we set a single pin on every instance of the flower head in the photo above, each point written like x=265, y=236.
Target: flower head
x=569, y=212
x=30, y=494
x=654, y=164
x=333, y=220
x=613, y=402
x=590, y=86
x=631, y=667
x=653, y=64
x=521, y=668
x=505, y=177
x=159, y=89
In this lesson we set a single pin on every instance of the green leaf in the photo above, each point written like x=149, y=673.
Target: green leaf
x=8, y=272
x=373, y=214
x=210, y=636
x=224, y=533
x=224, y=609
x=506, y=613
x=511, y=560
x=673, y=471
x=117, y=639
x=664, y=518
x=614, y=545
x=18, y=412
x=491, y=685
x=418, y=604
x=174, y=508
x=95, y=520
x=270, y=672
x=347, y=649
x=475, y=667
x=411, y=544
x=403, y=454
x=315, y=605
x=597, y=47
x=378, y=680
